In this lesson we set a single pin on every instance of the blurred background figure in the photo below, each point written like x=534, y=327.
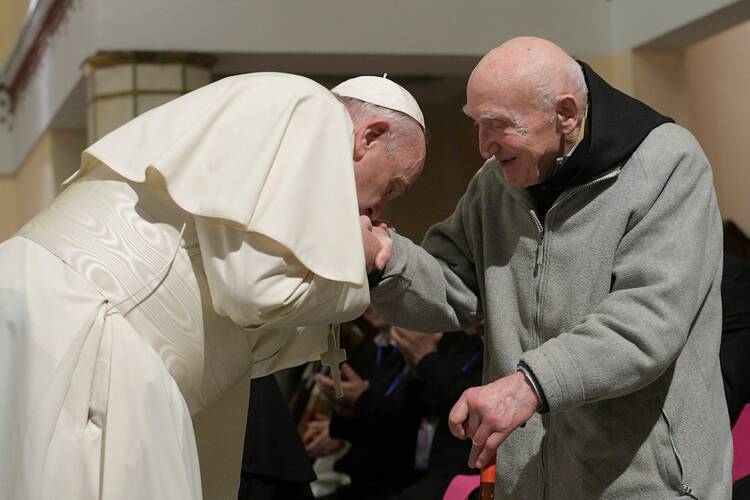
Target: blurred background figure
x=392, y=421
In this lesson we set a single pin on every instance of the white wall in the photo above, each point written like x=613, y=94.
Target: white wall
x=335, y=26
x=636, y=22
x=718, y=78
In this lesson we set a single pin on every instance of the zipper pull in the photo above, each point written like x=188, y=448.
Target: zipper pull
x=539, y=255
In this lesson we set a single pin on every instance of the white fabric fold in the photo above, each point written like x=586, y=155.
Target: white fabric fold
x=270, y=152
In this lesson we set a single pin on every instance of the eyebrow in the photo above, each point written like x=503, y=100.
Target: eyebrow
x=488, y=115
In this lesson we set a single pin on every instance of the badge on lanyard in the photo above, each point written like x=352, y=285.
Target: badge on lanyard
x=424, y=442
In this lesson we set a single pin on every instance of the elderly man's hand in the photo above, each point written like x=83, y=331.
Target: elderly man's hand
x=489, y=413
x=351, y=383
x=377, y=244
x=415, y=345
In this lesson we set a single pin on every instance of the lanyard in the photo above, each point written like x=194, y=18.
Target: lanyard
x=379, y=354
x=396, y=381
x=470, y=362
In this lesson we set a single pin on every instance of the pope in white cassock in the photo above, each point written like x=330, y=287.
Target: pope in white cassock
x=182, y=255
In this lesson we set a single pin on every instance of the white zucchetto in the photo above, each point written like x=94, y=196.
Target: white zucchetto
x=382, y=92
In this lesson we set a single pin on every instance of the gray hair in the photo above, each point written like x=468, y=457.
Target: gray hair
x=571, y=81
x=403, y=130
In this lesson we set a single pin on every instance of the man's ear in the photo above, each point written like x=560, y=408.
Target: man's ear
x=567, y=113
x=376, y=130
x=368, y=134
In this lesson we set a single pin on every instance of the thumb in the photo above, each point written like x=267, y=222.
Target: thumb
x=384, y=255
x=457, y=417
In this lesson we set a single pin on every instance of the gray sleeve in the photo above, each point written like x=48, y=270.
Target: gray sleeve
x=667, y=263
x=432, y=288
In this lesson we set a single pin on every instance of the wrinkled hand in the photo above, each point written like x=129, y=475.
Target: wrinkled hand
x=377, y=244
x=489, y=413
x=415, y=345
x=317, y=439
x=351, y=383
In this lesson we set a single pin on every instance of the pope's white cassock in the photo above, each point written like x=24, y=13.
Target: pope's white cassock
x=181, y=256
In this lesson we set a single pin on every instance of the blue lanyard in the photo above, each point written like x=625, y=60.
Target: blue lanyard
x=396, y=381
x=470, y=362
x=379, y=354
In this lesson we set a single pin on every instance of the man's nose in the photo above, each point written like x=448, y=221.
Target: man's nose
x=488, y=146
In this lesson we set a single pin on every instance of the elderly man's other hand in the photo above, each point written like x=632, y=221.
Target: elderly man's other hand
x=489, y=413
x=317, y=439
x=351, y=383
x=377, y=244
x=415, y=345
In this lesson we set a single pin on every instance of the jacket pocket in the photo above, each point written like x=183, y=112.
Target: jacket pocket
x=671, y=465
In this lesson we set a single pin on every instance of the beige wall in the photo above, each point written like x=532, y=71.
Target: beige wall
x=36, y=180
x=452, y=158
x=718, y=78
x=53, y=158
x=704, y=88
x=8, y=207
x=656, y=77
x=12, y=17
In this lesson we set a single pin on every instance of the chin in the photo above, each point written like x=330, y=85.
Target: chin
x=516, y=181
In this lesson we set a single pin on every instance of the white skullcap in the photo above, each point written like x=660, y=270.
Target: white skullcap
x=382, y=92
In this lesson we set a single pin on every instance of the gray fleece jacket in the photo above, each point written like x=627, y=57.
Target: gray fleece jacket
x=613, y=301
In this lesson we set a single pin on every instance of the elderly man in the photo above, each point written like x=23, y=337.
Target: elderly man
x=191, y=243
x=590, y=242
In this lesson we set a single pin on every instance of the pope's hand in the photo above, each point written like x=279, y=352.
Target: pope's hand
x=488, y=414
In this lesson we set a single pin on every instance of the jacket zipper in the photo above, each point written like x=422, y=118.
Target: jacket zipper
x=566, y=196
x=537, y=320
x=536, y=325
x=540, y=246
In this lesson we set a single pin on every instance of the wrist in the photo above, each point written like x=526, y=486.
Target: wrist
x=534, y=385
x=531, y=393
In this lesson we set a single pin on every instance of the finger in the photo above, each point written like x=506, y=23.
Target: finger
x=309, y=436
x=385, y=254
x=349, y=373
x=488, y=454
x=323, y=381
x=481, y=434
x=457, y=417
x=365, y=222
x=397, y=336
x=472, y=424
x=316, y=424
x=315, y=443
x=476, y=449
